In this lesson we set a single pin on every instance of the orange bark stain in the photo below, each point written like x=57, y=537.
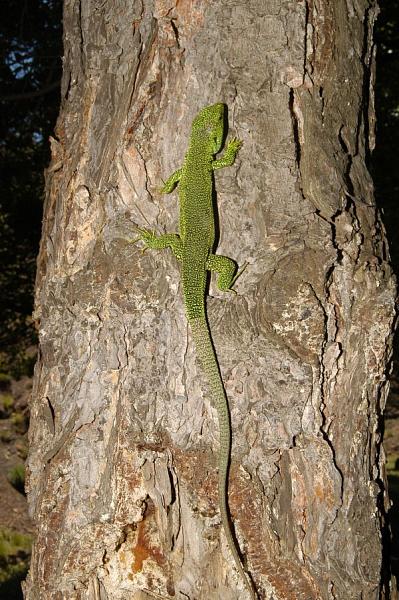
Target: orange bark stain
x=145, y=547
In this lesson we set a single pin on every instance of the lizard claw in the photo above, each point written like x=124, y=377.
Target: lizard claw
x=237, y=276
x=231, y=289
x=145, y=236
x=162, y=190
x=134, y=241
x=235, y=144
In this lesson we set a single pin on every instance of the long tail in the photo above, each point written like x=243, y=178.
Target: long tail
x=209, y=364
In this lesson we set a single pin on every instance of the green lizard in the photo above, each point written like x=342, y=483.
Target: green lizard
x=194, y=249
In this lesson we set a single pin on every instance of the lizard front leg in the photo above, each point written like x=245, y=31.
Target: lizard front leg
x=229, y=156
x=160, y=242
x=171, y=182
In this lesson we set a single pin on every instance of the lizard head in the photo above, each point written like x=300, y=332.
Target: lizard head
x=209, y=126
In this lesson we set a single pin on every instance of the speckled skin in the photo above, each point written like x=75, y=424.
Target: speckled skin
x=193, y=247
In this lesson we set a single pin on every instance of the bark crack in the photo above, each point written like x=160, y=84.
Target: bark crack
x=176, y=32
x=295, y=128
x=349, y=161
x=331, y=350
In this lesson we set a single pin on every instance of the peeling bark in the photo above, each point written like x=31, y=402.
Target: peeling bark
x=122, y=473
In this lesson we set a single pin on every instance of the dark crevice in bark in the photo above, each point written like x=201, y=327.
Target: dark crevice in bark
x=323, y=429
x=173, y=495
x=52, y=412
x=176, y=32
x=81, y=41
x=123, y=536
x=295, y=128
x=321, y=95
x=66, y=86
x=336, y=245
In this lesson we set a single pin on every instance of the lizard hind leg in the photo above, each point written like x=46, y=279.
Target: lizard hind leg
x=226, y=269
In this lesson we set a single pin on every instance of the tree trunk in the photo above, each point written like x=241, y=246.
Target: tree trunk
x=124, y=439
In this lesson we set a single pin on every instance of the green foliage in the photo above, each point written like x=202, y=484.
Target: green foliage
x=18, y=358
x=13, y=543
x=22, y=449
x=15, y=551
x=6, y=436
x=16, y=476
x=20, y=421
x=5, y=380
x=6, y=404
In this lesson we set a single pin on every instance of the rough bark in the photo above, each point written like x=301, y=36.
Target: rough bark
x=122, y=468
